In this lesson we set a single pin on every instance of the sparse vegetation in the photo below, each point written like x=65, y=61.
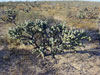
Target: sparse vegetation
x=10, y=16
x=87, y=13
x=62, y=31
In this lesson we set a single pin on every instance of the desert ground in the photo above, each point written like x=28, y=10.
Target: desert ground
x=17, y=59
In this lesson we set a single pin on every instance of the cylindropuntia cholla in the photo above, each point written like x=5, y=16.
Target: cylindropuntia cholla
x=56, y=38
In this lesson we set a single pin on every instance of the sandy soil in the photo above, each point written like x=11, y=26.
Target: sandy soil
x=22, y=62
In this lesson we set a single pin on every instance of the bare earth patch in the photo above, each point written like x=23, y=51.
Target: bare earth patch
x=22, y=62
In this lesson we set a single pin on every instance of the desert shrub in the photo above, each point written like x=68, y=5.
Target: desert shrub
x=81, y=15
x=48, y=39
x=87, y=13
x=10, y=16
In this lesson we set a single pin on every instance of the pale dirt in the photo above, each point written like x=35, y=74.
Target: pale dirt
x=22, y=62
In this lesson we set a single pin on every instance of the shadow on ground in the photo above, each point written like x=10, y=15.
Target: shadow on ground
x=91, y=52
x=7, y=54
x=18, y=62
x=25, y=63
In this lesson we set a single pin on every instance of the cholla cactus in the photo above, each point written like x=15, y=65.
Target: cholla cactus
x=47, y=39
x=87, y=13
x=74, y=38
x=11, y=15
